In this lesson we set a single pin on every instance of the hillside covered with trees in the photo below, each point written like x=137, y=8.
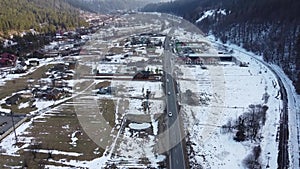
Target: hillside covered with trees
x=108, y=6
x=41, y=15
x=270, y=28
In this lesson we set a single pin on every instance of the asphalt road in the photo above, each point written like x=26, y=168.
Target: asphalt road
x=176, y=152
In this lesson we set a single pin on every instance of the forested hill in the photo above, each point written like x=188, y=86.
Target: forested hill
x=42, y=15
x=108, y=6
x=267, y=27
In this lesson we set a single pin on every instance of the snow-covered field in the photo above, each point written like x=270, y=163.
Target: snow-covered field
x=229, y=90
x=293, y=97
x=223, y=93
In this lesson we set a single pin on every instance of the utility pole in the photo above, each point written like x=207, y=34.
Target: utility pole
x=14, y=128
x=268, y=165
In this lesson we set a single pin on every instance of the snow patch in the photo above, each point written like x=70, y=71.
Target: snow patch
x=212, y=12
x=23, y=105
x=139, y=126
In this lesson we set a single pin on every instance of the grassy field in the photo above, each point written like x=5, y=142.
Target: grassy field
x=18, y=84
x=108, y=108
x=54, y=132
x=102, y=84
x=15, y=85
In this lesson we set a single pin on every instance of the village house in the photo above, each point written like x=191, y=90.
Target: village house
x=7, y=59
x=146, y=75
x=54, y=94
x=26, y=95
x=9, y=43
x=48, y=93
x=106, y=90
x=33, y=62
x=20, y=67
x=13, y=99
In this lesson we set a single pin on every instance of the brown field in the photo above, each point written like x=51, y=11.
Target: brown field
x=53, y=132
x=16, y=85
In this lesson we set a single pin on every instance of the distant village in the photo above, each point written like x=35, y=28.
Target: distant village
x=53, y=85
x=62, y=43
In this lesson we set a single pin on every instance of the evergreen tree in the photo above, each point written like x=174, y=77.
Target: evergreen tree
x=41, y=15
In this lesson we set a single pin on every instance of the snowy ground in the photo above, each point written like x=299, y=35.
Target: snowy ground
x=293, y=99
x=222, y=93
x=229, y=91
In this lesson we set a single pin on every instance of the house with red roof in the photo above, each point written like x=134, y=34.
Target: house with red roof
x=7, y=59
